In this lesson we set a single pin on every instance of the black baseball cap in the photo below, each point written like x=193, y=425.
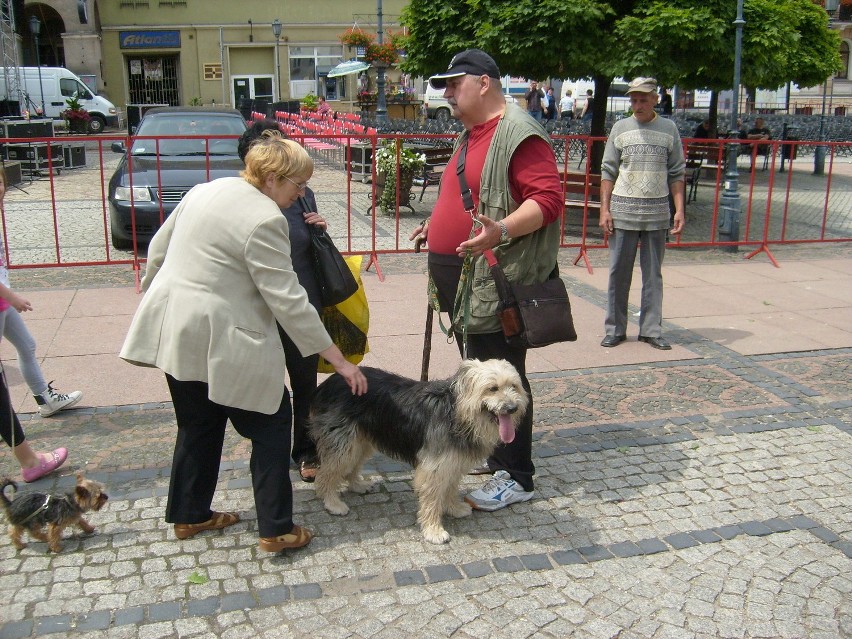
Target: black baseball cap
x=469, y=62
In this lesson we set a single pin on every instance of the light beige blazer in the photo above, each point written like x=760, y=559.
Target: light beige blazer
x=218, y=277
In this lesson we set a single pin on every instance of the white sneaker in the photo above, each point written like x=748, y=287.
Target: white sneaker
x=498, y=492
x=51, y=402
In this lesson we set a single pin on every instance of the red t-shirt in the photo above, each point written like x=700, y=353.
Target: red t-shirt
x=532, y=175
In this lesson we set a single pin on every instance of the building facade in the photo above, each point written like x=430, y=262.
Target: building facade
x=181, y=52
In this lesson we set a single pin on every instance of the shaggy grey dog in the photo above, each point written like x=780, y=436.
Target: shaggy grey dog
x=443, y=428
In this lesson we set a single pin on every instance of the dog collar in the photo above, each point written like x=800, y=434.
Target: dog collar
x=42, y=508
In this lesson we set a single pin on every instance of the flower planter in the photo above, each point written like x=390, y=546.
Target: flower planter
x=386, y=186
x=78, y=126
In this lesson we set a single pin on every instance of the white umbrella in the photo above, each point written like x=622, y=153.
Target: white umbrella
x=347, y=68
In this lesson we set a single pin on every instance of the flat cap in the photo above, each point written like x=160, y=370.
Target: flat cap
x=642, y=85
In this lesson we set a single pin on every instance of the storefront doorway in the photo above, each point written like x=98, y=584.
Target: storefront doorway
x=153, y=80
x=251, y=87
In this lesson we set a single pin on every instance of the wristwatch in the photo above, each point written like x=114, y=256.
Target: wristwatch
x=504, y=233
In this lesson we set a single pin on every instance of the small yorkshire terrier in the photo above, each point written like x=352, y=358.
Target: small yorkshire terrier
x=34, y=511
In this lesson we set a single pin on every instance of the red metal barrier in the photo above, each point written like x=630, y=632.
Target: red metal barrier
x=60, y=216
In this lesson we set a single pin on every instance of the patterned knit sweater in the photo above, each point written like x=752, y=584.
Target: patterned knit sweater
x=642, y=160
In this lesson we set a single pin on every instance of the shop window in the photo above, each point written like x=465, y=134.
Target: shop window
x=153, y=80
x=309, y=66
x=844, y=60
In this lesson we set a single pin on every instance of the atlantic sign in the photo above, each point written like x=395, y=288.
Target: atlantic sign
x=149, y=39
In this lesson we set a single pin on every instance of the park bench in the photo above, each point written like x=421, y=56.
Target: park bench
x=436, y=161
x=581, y=191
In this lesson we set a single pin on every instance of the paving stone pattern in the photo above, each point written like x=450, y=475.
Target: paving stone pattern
x=701, y=498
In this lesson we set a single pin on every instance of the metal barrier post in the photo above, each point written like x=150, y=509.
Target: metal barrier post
x=729, y=203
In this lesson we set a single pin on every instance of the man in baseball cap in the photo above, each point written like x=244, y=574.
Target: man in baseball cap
x=508, y=160
x=468, y=62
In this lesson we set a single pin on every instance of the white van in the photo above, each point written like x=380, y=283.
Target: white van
x=437, y=107
x=57, y=84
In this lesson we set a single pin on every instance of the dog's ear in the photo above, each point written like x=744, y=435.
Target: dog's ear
x=463, y=377
x=82, y=494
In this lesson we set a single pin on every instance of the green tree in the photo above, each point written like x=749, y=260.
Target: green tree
x=685, y=42
x=691, y=45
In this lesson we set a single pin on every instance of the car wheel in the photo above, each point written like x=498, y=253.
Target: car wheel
x=442, y=115
x=120, y=243
x=96, y=124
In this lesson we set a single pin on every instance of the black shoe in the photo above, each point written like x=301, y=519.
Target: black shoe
x=613, y=340
x=656, y=342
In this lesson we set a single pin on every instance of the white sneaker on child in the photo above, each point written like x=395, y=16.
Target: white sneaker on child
x=498, y=492
x=51, y=402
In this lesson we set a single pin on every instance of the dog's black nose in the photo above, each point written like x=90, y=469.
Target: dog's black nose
x=511, y=410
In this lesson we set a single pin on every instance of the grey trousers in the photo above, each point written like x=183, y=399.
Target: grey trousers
x=622, y=256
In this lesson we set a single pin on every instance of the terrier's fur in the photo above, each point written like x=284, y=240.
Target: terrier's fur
x=443, y=428
x=34, y=512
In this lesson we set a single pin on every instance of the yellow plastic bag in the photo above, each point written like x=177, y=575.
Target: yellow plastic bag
x=349, y=321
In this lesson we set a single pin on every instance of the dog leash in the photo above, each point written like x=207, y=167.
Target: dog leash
x=465, y=286
x=465, y=283
x=41, y=509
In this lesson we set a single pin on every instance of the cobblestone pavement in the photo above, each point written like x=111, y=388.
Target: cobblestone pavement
x=698, y=498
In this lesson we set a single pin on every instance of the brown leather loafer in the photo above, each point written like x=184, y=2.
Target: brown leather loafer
x=217, y=521
x=657, y=342
x=296, y=538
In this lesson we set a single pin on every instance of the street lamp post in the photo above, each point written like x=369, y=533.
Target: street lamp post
x=35, y=29
x=820, y=150
x=729, y=220
x=276, y=31
x=381, y=102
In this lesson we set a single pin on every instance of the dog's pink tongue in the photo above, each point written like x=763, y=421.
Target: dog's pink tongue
x=507, y=429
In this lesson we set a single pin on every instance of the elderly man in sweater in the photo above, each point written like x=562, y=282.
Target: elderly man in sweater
x=643, y=165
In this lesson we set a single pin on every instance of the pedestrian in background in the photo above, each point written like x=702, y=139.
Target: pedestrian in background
x=704, y=131
x=566, y=106
x=665, y=103
x=588, y=107
x=643, y=164
x=509, y=158
x=535, y=101
x=550, y=111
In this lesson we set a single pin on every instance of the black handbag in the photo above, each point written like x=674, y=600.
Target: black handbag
x=533, y=315
x=335, y=280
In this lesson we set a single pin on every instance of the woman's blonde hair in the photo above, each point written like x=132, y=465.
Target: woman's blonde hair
x=272, y=154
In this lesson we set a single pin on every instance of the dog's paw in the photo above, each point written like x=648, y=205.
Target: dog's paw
x=336, y=506
x=361, y=486
x=436, y=535
x=459, y=509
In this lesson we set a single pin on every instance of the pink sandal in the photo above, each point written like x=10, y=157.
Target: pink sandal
x=49, y=463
